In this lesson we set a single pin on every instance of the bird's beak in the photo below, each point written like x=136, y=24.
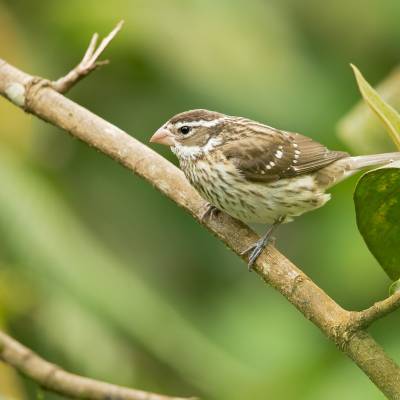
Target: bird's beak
x=163, y=136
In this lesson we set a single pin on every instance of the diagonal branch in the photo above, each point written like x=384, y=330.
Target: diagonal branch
x=339, y=325
x=52, y=377
x=88, y=63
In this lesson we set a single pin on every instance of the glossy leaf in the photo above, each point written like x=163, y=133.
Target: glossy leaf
x=377, y=203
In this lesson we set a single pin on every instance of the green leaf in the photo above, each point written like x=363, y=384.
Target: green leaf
x=377, y=203
x=388, y=115
x=361, y=130
x=377, y=195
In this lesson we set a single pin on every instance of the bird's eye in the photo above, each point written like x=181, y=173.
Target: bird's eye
x=184, y=129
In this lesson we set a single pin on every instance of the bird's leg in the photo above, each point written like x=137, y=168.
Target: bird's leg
x=209, y=211
x=257, y=248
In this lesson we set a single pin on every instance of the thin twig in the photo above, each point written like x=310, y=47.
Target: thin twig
x=88, y=63
x=52, y=377
x=363, y=319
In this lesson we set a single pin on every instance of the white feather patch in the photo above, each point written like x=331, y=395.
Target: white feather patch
x=200, y=122
x=193, y=152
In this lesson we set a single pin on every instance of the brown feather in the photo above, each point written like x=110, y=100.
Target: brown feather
x=265, y=154
x=196, y=115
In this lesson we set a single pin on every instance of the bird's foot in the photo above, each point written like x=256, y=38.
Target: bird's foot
x=257, y=248
x=210, y=211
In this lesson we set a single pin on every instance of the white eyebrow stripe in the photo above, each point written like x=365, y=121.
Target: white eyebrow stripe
x=200, y=122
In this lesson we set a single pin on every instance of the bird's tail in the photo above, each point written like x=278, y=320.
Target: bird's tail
x=347, y=166
x=360, y=162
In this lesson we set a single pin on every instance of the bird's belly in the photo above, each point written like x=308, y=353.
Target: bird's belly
x=265, y=203
x=258, y=202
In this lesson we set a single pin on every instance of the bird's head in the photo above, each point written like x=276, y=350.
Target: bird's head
x=191, y=133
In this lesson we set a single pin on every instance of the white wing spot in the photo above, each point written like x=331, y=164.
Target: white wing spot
x=279, y=154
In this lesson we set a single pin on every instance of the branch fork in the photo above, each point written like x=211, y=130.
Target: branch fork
x=88, y=63
x=363, y=319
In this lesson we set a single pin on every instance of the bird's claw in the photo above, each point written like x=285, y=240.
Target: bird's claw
x=256, y=249
x=210, y=211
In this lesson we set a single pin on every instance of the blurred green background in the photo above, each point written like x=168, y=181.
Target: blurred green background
x=104, y=276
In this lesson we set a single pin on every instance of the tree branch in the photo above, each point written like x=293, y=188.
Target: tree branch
x=88, y=63
x=339, y=325
x=365, y=318
x=52, y=377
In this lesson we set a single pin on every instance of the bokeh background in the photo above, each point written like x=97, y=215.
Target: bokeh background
x=104, y=276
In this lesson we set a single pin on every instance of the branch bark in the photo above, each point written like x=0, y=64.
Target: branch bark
x=52, y=377
x=343, y=327
x=365, y=318
x=88, y=63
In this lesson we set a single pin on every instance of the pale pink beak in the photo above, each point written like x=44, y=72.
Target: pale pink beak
x=163, y=136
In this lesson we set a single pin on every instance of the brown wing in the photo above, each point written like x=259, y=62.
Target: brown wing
x=264, y=154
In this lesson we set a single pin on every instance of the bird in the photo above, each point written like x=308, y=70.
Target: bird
x=254, y=172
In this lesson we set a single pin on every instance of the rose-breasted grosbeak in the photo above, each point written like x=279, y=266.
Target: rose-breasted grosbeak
x=254, y=172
